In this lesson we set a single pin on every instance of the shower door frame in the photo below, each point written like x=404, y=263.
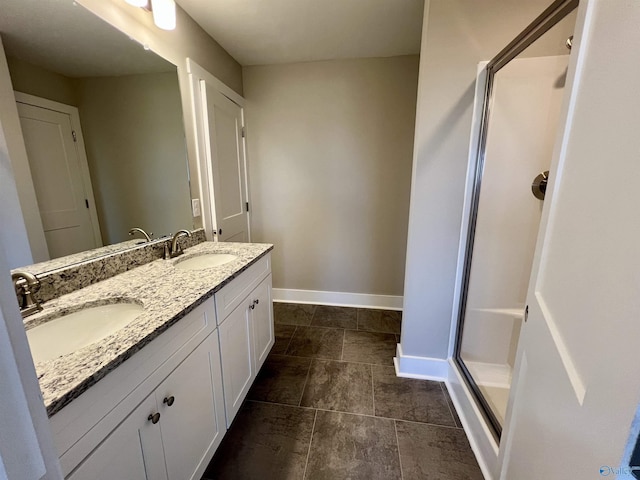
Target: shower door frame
x=558, y=10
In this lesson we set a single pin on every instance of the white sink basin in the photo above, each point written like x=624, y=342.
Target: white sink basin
x=207, y=260
x=74, y=331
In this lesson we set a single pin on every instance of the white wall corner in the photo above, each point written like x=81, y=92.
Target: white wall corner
x=423, y=368
x=342, y=299
x=474, y=139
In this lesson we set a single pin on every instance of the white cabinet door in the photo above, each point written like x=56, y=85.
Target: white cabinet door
x=236, y=350
x=262, y=322
x=133, y=451
x=190, y=402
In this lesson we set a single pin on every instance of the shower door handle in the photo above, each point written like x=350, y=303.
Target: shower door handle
x=539, y=185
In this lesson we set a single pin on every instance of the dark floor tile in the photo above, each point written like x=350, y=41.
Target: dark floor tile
x=452, y=407
x=429, y=452
x=354, y=447
x=337, y=317
x=369, y=347
x=341, y=386
x=384, y=321
x=265, y=441
x=317, y=342
x=281, y=380
x=409, y=399
x=293, y=313
x=283, y=334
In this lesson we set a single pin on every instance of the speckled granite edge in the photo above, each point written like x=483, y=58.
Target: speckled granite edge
x=166, y=293
x=67, y=274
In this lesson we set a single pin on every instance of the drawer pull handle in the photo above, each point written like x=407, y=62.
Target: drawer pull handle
x=155, y=418
x=169, y=400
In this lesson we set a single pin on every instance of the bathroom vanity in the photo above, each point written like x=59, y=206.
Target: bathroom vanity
x=153, y=399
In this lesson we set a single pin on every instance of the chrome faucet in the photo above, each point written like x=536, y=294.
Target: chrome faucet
x=26, y=284
x=175, y=249
x=141, y=231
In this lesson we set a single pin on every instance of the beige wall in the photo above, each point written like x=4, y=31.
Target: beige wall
x=330, y=147
x=456, y=36
x=35, y=80
x=140, y=180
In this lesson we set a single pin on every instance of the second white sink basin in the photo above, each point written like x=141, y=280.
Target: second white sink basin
x=207, y=260
x=71, y=332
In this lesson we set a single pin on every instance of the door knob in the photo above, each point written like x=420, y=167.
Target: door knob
x=539, y=185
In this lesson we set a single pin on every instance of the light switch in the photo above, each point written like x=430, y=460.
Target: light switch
x=195, y=207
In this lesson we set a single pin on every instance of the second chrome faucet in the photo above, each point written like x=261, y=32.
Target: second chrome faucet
x=172, y=248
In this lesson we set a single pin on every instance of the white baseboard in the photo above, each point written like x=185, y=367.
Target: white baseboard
x=480, y=437
x=362, y=300
x=423, y=368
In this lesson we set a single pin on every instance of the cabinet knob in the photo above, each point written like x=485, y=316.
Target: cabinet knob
x=169, y=400
x=155, y=417
x=256, y=301
x=252, y=306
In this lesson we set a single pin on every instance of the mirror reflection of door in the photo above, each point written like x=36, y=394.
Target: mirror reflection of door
x=228, y=167
x=60, y=175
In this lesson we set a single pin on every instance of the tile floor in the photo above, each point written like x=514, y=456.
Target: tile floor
x=328, y=405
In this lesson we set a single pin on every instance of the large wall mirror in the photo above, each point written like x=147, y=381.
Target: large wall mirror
x=102, y=121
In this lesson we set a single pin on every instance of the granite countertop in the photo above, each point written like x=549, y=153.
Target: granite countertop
x=166, y=294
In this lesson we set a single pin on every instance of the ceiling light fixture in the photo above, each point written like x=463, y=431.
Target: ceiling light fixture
x=164, y=12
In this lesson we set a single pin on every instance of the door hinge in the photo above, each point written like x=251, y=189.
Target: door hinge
x=74, y=135
x=86, y=202
x=247, y=205
x=244, y=134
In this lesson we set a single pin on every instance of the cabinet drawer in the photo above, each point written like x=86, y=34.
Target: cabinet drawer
x=231, y=295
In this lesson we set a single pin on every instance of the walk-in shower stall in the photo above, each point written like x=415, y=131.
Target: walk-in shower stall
x=523, y=94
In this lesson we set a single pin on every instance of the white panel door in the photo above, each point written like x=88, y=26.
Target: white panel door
x=133, y=451
x=236, y=350
x=191, y=404
x=58, y=180
x=226, y=147
x=577, y=379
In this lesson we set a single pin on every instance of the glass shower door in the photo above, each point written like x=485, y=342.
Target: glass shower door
x=524, y=101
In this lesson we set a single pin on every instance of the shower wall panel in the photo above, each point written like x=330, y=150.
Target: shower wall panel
x=522, y=126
